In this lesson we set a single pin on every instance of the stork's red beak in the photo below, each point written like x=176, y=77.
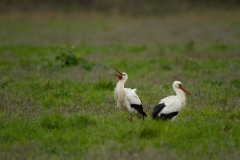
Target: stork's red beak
x=181, y=87
x=119, y=76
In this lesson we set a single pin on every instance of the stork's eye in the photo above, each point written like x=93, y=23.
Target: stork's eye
x=124, y=74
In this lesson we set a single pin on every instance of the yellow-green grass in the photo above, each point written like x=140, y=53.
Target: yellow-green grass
x=56, y=91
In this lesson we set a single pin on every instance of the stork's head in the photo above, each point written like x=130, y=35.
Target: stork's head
x=178, y=85
x=122, y=75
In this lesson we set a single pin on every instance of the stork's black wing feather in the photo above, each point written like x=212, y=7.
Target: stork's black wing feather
x=157, y=109
x=139, y=108
x=168, y=116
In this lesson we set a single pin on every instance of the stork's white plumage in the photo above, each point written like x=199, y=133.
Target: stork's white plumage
x=169, y=107
x=127, y=99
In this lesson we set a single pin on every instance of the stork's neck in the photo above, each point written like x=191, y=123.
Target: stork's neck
x=180, y=94
x=119, y=92
x=120, y=84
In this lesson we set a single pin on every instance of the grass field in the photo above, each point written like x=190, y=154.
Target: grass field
x=56, y=85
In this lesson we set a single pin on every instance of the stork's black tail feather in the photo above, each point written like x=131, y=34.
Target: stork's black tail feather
x=139, y=108
x=157, y=109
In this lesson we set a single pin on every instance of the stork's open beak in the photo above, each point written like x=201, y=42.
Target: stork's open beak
x=181, y=87
x=119, y=76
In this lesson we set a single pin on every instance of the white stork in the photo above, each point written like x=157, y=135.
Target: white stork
x=169, y=107
x=127, y=98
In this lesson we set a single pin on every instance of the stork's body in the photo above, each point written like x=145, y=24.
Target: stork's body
x=127, y=99
x=169, y=107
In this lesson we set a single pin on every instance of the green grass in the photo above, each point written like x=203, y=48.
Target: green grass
x=63, y=108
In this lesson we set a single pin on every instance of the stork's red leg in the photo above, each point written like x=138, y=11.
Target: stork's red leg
x=131, y=117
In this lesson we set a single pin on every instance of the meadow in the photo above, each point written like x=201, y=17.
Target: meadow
x=56, y=85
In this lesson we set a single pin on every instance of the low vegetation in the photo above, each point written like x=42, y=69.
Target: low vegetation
x=56, y=86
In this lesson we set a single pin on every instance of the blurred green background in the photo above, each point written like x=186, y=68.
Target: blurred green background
x=136, y=7
x=57, y=62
